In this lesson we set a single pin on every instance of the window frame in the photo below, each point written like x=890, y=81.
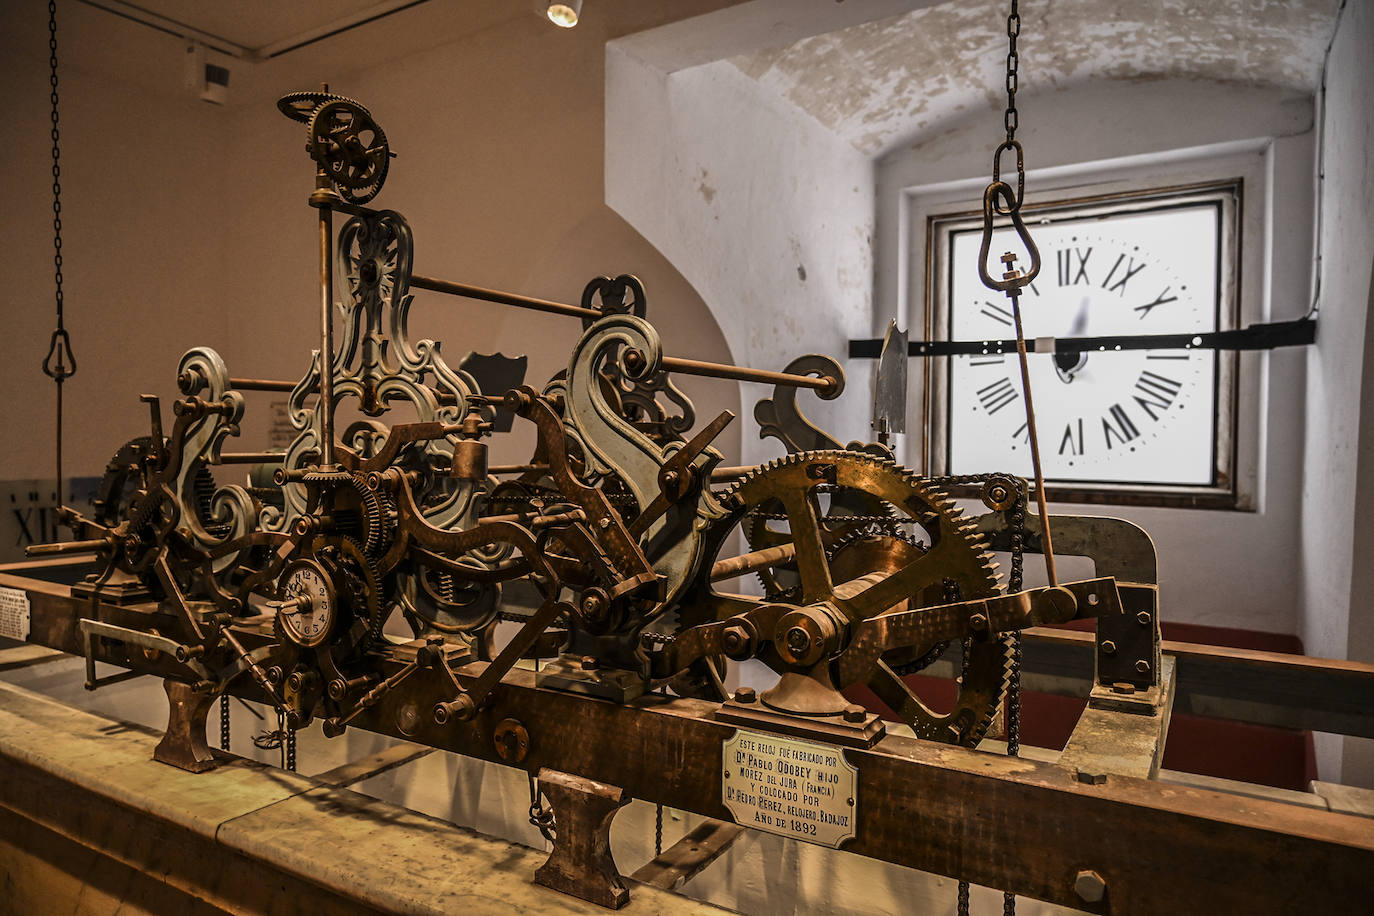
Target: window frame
x=1228, y=194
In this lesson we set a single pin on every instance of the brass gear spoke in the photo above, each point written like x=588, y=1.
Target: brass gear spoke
x=812, y=564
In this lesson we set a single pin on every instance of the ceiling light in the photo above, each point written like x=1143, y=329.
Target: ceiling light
x=564, y=13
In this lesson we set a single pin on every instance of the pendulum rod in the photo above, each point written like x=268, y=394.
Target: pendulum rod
x=1015, y=296
x=326, y=336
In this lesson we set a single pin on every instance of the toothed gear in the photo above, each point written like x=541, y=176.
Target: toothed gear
x=956, y=556
x=350, y=148
x=299, y=106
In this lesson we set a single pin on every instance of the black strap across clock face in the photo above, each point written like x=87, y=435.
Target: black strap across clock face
x=1296, y=333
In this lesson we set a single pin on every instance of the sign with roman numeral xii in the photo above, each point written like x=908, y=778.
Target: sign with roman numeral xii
x=1109, y=420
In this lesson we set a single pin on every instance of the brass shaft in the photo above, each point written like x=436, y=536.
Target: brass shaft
x=63, y=548
x=326, y=406
x=745, y=374
x=262, y=384
x=502, y=298
x=748, y=562
x=1046, y=542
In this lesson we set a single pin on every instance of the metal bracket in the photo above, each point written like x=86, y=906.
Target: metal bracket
x=1297, y=333
x=581, y=863
x=91, y=630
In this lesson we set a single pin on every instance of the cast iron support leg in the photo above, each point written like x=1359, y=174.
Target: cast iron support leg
x=581, y=862
x=183, y=745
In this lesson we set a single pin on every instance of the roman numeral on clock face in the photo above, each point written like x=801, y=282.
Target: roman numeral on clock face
x=996, y=313
x=1116, y=425
x=1073, y=266
x=1161, y=299
x=1155, y=392
x=1122, y=278
x=1072, y=440
x=996, y=395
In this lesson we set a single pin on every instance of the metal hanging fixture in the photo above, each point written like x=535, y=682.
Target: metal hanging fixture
x=60, y=362
x=999, y=199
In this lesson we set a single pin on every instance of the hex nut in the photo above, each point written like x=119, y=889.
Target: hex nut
x=745, y=695
x=1142, y=666
x=855, y=714
x=1108, y=647
x=1089, y=886
x=1144, y=618
x=1091, y=778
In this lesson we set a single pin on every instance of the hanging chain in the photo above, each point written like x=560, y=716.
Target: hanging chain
x=541, y=815
x=60, y=363
x=224, y=721
x=1010, y=118
x=658, y=831
x=291, y=748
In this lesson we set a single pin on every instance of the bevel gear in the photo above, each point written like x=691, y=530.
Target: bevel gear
x=954, y=554
x=350, y=148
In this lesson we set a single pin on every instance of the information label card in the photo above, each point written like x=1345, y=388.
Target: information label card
x=797, y=789
x=14, y=613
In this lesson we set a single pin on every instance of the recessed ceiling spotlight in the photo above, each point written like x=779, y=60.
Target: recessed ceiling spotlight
x=565, y=13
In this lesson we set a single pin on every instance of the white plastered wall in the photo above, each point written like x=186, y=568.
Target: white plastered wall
x=1337, y=576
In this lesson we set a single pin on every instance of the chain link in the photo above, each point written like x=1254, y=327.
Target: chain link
x=541, y=815
x=56, y=158
x=224, y=721
x=658, y=831
x=1009, y=119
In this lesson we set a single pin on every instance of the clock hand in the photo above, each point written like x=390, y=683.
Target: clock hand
x=1068, y=362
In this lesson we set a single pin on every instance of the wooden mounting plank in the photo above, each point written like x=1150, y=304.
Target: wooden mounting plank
x=689, y=856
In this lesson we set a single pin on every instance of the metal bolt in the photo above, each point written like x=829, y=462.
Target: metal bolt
x=855, y=714
x=745, y=695
x=589, y=663
x=798, y=640
x=605, y=521
x=1142, y=666
x=978, y=622
x=1144, y=618
x=1089, y=886
x=734, y=640
x=1090, y=777
x=1123, y=687
x=1108, y=647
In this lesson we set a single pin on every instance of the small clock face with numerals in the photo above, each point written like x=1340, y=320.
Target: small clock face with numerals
x=1131, y=417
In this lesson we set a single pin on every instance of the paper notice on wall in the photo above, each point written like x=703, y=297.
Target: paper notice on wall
x=797, y=789
x=281, y=433
x=14, y=613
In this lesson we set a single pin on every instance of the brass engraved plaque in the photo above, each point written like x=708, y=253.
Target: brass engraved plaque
x=793, y=788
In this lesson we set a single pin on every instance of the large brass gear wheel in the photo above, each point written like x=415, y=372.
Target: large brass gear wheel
x=953, y=560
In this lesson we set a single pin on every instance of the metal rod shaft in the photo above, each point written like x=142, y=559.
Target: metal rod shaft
x=745, y=374
x=251, y=458
x=515, y=468
x=502, y=298
x=326, y=406
x=63, y=548
x=262, y=384
x=748, y=562
x=1045, y=540
x=733, y=473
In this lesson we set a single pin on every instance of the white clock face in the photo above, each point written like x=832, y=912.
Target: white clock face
x=309, y=621
x=1130, y=416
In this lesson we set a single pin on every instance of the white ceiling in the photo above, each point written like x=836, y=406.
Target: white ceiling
x=883, y=82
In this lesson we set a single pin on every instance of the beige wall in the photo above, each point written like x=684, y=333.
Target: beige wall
x=186, y=224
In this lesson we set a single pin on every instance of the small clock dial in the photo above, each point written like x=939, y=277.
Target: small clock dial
x=1133, y=416
x=311, y=608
